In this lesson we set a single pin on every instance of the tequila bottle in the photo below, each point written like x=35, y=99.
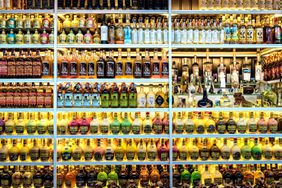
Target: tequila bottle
x=94, y=124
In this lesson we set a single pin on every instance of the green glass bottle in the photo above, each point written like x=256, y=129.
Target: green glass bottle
x=115, y=125
x=246, y=150
x=123, y=98
x=132, y=96
x=102, y=177
x=185, y=176
x=105, y=96
x=126, y=124
x=196, y=177
x=31, y=124
x=256, y=151
x=113, y=176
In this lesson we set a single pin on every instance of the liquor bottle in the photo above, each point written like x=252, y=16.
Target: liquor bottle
x=277, y=149
x=277, y=32
x=178, y=124
x=262, y=124
x=207, y=177
x=236, y=151
x=119, y=151
x=194, y=150
x=130, y=151
x=252, y=124
x=104, y=125
x=137, y=66
x=34, y=151
x=3, y=151
x=88, y=151
x=109, y=151
x=123, y=96
x=127, y=32
x=156, y=66
x=114, y=96
x=159, y=97
x=17, y=177
x=119, y=67
x=126, y=124
x=205, y=102
x=20, y=125
x=73, y=127
x=272, y=124
x=231, y=125
x=128, y=67
x=141, y=97
x=132, y=97
x=141, y=151
x=136, y=124
x=84, y=125
x=152, y=151
x=146, y=66
x=256, y=150
x=200, y=124
x=241, y=124
x=189, y=124
x=6, y=180
x=110, y=66
x=164, y=66
x=246, y=150
x=214, y=151
x=147, y=124
x=163, y=151
x=104, y=32
x=183, y=151
x=267, y=152
x=115, y=125
x=99, y=151
x=204, y=151
x=44, y=152
x=196, y=177
x=225, y=150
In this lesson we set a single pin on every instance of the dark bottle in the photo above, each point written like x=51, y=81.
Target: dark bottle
x=123, y=176
x=267, y=33
x=214, y=151
x=45, y=4
x=30, y=4
x=74, y=4
x=176, y=177
x=101, y=66
x=97, y=5
x=82, y=4
x=149, y=4
x=67, y=4
x=165, y=5
x=105, y=4
x=37, y=4
x=2, y=124
x=238, y=178
x=146, y=66
x=38, y=178
x=110, y=66
x=112, y=4
x=134, y=175
x=51, y=4
x=277, y=32
x=137, y=66
x=205, y=102
x=132, y=96
x=61, y=4
x=157, y=4
x=81, y=178
x=231, y=125
x=89, y=4
x=135, y=4
x=142, y=4
x=120, y=4
x=127, y=4
x=227, y=177
x=48, y=178
x=112, y=32
x=123, y=96
x=204, y=151
x=91, y=177
x=114, y=98
x=6, y=178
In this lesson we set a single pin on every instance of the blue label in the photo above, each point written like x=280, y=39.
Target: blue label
x=95, y=100
x=60, y=100
x=87, y=99
x=68, y=100
x=77, y=99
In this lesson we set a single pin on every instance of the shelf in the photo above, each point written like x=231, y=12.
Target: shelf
x=112, y=109
x=7, y=80
x=236, y=109
x=26, y=109
x=225, y=46
x=116, y=80
x=25, y=136
x=274, y=81
x=12, y=46
x=114, y=163
x=71, y=11
x=219, y=162
x=112, y=46
x=26, y=163
x=210, y=12
x=30, y=11
x=100, y=136
x=225, y=135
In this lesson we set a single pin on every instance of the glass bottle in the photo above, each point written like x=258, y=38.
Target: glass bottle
x=159, y=97
x=130, y=150
x=88, y=151
x=115, y=125
x=105, y=124
x=214, y=151
x=151, y=97
x=236, y=151
x=119, y=32
x=221, y=124
x=231, y=125
x=119, y=67
x=104, y=32
x=152, y=151
x=119, y=151
x=34, y=151
x=109, y=151
x=141, y=98
x=225, y=150
x=126, y=124
x=73, y=127
x=136, y=124
x=267, y=152
x=123, y=98
x=246, y=150
x=3, y=151
x=147, y=124
x=163, y=151
x=183, y=151
x=256, y=150
x=141, y=151
x=178, y=124
x=272, y=124
x=194, y=150
x=262, y=124
x=99, y=151
x=137, y=66
x=127, y=32
x=205, y=102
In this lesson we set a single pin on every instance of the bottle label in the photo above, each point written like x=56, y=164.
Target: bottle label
x=84, y=129
x=207, y=181
x=231, y=128
x=164, y=156
x=215, y=155
x=278, y=155
x=3, y=156
x=141, y=155
x=253, y=127
x=73, y=130
x=86, y=99
x=250, y=35
x=119, y=156
x=62, y=129
x=194, y=155
x=76, y=155
x=183, y=156
x=225, y=155
x=104, y=33
x=91, y=70
x=115, y=129
x=204, y=155
x=125, y=129
x=200, y=129
x=158, y=128
x=109, y=155
x=123, y=100
x=64, y=68
x=147, y=129
x=100, y=69
x=151, y=100
x=267, y=154
x=242, y=128
x=179, y=128
x=147, y=69
x=66, y=155
x=152, y=155
x=236, y=155
x=165, y=69
x=104, y=129
x=130, y=155
x=98, y=156
x=119, y=67
x=34, y=155
x=273, y=128
x=247, y=154
x=110, y=67
x=174, y=156
x=189, y=128
x=93, y=129
x=95, y=100
x=136, y=129
x=128, y=68
x=262, y=128
x=211, y=128
x=19, y=129
x=73, y=68
x=159, y=101
x=82, y=69
x=141, y=101
x=44, y=154
x=77, y=99
x=41, y=129
x=159, y=36
x=87, y=39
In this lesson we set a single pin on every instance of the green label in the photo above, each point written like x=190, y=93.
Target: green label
x=76, y=156
x=93, y=129
x=104, y=129
x=152, y=155
x=141, y=156
x=179, y=128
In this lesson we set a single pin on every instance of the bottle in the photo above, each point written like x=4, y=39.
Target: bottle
x=99, y=151
x=157, y=124
x=256, y=151
x=119, y=32
x=277, y=32
x=44, y=151
x=126, y=124
x=221, y=124
x=34, y=151
x=163, y=151
x=225, y=150
x=88, y=151
x=272, y=124
x=73, y=127
x=115, y=125
x=156, y=67
x=3, y=151
x=119, y=67
x=136, y=124
x=137, y=66
x=123, y=98
x=141, y=97
x=146, y=66
x=20, y=125
x=152, y=151
x=114, y=96
x=199, y=124
x=267, y=152
x=277, y=149
x=119, y=151
x=147, y=124
x=159, y=97
x=196, y=177
x=205, y=102
x=130, y=151
x=231, y=125
x=207, y=177
x=214, y=151
x=246, y=150
x=105, y=96
x=204, y=151
x=104, y=32
x=178, y=124
x=262, y=124
x=109, y=151
x=84, y=125
x=104, y=125
x=128, y=67
x=194, y=150
x=236, y=151
x=252, y=124
x=141, y=151
x=110, y=66
x=127, y=32
x=132, y=101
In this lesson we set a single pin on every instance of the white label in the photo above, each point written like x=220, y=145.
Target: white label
x=203, y=36
x=184, y=36
x=177, y=36
x=196, y=36
x=153, y=34
x=151, y=101
x=258, y=73
x=165, y=36
x=208, y=37
x=172, y=36
x=104, y=33
x=142, y=101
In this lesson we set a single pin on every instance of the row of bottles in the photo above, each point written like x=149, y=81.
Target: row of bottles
x=26, y=123
x=113, y=176
x=113, y=123
x=26, y=176
x=26, y=64
x=217, y=74
x=117, y=150
x=264, y=175
x=27, y=38
x=114, y=4
x=26, y=4
x=148, y=30
x=26, y=150
x=228, y=29
x=240, y=4
x=26, y=21
x=24, y=95
x=83, y=64
x=114, y=96
x=224, y=123
x=272, y=68
x=227, y=149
